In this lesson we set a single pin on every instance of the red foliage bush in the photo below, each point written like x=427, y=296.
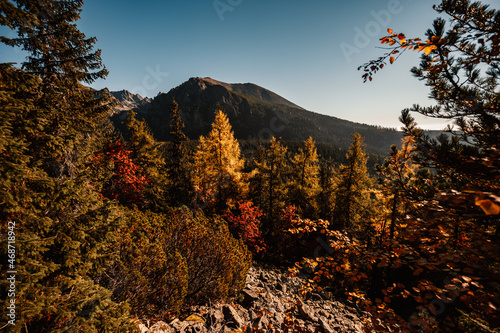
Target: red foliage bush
x=245, y=225
x=126, y=183
x=294, y=238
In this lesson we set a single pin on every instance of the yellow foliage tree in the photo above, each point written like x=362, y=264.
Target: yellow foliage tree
x=218, y=178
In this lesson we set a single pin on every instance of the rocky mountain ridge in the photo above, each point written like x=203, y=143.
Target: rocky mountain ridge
x=128, y=101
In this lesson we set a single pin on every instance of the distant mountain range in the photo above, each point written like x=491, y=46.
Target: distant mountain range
x=255, y=113
x=126, y=100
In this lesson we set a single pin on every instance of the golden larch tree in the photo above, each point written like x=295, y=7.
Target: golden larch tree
x=218, y=178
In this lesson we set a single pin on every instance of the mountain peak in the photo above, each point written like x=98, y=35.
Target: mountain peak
x=249, y=89
x=255, y=113
x=127, y=100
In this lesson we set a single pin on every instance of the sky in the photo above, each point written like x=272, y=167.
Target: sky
x=306, y=51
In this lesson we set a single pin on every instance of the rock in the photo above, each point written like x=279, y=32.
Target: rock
x=306, y=313
x=260, y=323
x=143, y=328
x=279, y=306
x=269, y=296
x=231, y=317
x=325, y=326
x=315, y=297
x=195, y=327
x=281, y=287
x=249, y=297
x=215, y=317
x=162, y=327
x=252, y=314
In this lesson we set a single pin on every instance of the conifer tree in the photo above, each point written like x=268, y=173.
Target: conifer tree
x=218, y=164
x=63, y=58
x=303, y=185
x=460, y=65
x=63, y=229
x=180, y=189
x=271, y=172
x=326, y=194
x=398, y=174
x=146, y=153
x=352, y=197
x=457, y=225
x=256, y=180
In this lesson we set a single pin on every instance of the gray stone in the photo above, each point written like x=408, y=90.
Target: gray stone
x=162, y=327
x=325, y=326
x=249, y=297
x=215, y=317
x=196, y=327
x=315, y=297
x=281, y=287
x=306, y=312
x=143, y=328
x=231, y=317
x=260, y=323
x=279, y=306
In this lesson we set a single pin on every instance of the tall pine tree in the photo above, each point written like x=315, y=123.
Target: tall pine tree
x=146, y=153
x=303, y=185
x=180, y=189
x=326, y=194
x=352, y=196
x=63, y=229
x=398, y=177
x=270, y=176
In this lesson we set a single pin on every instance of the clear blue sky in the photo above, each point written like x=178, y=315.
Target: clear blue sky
x=305, y=51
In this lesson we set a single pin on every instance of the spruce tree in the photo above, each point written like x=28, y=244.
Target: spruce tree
x=459, y=63
x=326, y=194
x=63, y=229
x=352, y=196
x=180, y=189
x=270, y=173
x=303, y=185
x=398, y=178
x=217, y=166
x=146, y=153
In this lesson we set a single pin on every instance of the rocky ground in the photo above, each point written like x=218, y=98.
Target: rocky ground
x=270, y=302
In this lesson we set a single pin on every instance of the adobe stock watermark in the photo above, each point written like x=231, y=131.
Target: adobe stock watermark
x=11, y=273
x=373, y=28
x=150, y=81
x=223, y=6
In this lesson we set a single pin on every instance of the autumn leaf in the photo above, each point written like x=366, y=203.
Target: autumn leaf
x=428, y=49
x=389, y=31
x=391, y=60
x=488, y=206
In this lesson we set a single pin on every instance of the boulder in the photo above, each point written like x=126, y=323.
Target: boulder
x=231, y=317
x=306, y=312
x=326, y=326
x=249, y=297
x=161, y=327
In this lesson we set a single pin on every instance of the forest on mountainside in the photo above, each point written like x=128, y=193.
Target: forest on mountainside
x=98, y=230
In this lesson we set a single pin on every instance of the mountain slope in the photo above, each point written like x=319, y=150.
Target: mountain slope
x=256, y=114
